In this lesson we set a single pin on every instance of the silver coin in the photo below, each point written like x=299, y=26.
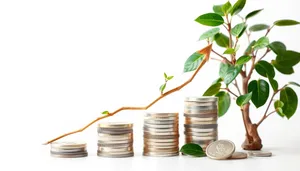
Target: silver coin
x=161, y=122
x=201, y=126
x=114, y=155
x=114, y=131
x=200, y=108
x=115, y=149
x=68, y=153
x=202, y=134
x=175, y=129
x=161, y=133
x=161, y=144
x=198, y=112
x=196, y=119
x=160, y=140
x=108, y=137
x=200, y=123
x=160, y=126
x=115, y=141
x=190, y=104
x=239, y=155
x=68, y=145
x=195, y=138
x=166, y=150
x=201, y=99
x=200, y=130
x=116, y=145
x=115, y=125
x=161, y=147
x=221, y=149
x=68, y=150
x=260, y=153
x=210, y=115
x=158, y=154
x=69, y=156
x=162, y=118
x=161, y=115
x=161, y=136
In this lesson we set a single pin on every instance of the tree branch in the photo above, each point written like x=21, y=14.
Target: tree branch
x=237, y=87
x=227, y=89
x=223, y=57
x=206, y=51
x=267, y=51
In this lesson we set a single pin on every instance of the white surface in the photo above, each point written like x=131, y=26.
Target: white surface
x=64, y=62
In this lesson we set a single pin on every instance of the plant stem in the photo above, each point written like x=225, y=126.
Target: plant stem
x=237, y=87
x=267, y=51
x=205, y=51
x=227, y=89
x=223, y=57
x=230, y=38
x=269, y=29
x=270, y=102
x=216, y=59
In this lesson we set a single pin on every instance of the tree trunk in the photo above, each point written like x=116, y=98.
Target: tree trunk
x=252, y=141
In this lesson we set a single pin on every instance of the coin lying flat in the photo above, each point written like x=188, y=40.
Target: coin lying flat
x=201, y=126
x=114, y=125
x=260, y=153
x=68, y=149
x=115, y=155
x=69, y=156
x=68, y=145
x=201, y=130
x=196, y=119
x=239, y=155
x=204, y=99
x=200, y=112
x=161, y=144
x=201, y=134
x=161, y=115
x=159, y=154
x=221, y=149
x=208, y=115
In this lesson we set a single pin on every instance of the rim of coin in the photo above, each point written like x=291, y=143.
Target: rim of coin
x=198, y=112
x=116, y=145
x=161, y=122
x=68, y=150
x=200, y=99
x=115, y=149
x=238, y=155
x=161, y=136
x=201, y=134
x=194, y=103
x=161, y=144
x=175, y=129
x=196, y=119
x=160, y=133
x=208, y=115
x=161, y=140
x=161, y=126
x=220, y=149
x=68, y=144
x=200, y=123
x=69, y=155
x=260, y=153
x=115, y=125
x=115, y=141
x=155, y=154
x=195, y=138
x=201, y=126
x=148, y=149
x=201, y=108
x=115, y=156
x=162, y=114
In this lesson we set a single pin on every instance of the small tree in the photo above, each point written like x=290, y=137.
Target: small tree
x=232, y=65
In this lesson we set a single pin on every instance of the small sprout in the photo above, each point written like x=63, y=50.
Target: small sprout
x=105, y=112
x=166, y=76
x=169, y=78
x=162, y=88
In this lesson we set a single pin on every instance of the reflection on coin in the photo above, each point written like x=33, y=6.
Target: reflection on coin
x=160, y=133
x=160, y=137
x=200, y=123
x=147, y=149
x=68, y=150
x=210, y=115
x=195, y=138
x=201, y=99
x=221, y=149
x=201, y=134
x=196, y=119
x=161, y=130
x=115, y=149
x=193, y=104
x=161, y=115
x=114, y=125
x=109, y=137
x=200, y=130
x=161, y=140
x=161, y=144
x=114, y=131
x=201, y=108
x=260, y=153
x=115, y=145
x=239, y=155
x=201, y=126
x=69, y=156
x=160, y=126
x=198, y=112
x=161, y=122
x=100, y=154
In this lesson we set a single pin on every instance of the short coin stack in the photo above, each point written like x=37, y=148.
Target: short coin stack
x=201, y=114
x=161, y=137
x=68, y=149
x=115, y=140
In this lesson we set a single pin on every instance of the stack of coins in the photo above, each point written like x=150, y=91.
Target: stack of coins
x=201, y=114
x=68, y=149
x=115, y=140
x=161, y=137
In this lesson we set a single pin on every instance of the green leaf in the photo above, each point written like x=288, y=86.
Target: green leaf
x=193, y=62
x=282, y=69
x=290, y=100
x=260, y=92
x=243, y=59
x=229, y=51
x=213, y=89
x=278, y=107
x=217, y=80
x=226, y=7
x=248, y=51
x=192, y=150
x=170, y=78
x=218, y=9
x=261, y=43
x=288, y=58
x=243, y=99
x=265, y=69
x=237, y=7
x=253, y=13
x=209, y=33
x=294, y=83
x=222, y=40
x=210, y=19
x=274, y=83
x=229, y=72
x=105, y=112
x=242, y=32
x=162, y=88
x=277, y=47
x=286, y=22
x=165, y=75
x=237, y=30
x=258, y=27
x=223, y=102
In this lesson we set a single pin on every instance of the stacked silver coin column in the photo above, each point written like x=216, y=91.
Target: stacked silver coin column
x=68, y=149
x=161, y=134
x=201, y=114
x=115, y=140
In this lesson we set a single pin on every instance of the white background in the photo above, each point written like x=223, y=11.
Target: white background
x=63, y=62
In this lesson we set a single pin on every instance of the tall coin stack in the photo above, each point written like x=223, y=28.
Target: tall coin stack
x=115, y=140
x=161, y=137
x=201, y=114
